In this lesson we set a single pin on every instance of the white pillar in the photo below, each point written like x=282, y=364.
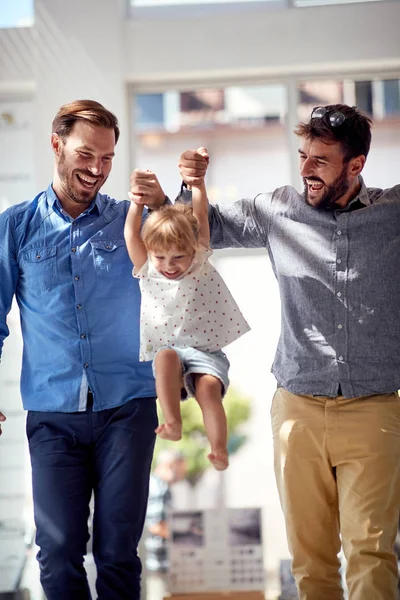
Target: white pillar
x=79, y=53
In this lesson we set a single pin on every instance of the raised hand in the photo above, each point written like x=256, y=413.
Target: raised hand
x=193, y=166
x=145, y=189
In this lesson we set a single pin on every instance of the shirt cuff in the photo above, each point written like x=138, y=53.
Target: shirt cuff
x=184, y=195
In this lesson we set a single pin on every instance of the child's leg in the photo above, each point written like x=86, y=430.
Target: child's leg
x=168, y=371
x=209, y=396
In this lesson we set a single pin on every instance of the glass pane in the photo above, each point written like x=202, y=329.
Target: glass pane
x=17, y=13
x=305, y=3
x=391, y=94
x=152, y=3
x=242, y=127
x=318, y=93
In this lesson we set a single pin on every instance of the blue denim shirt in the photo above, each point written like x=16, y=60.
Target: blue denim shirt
x=79, y=304
x=339, y=278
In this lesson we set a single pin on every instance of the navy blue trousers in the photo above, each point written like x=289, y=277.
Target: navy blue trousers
x=108, y=453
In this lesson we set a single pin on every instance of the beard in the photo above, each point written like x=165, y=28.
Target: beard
x=333, y=192
x=70, y=185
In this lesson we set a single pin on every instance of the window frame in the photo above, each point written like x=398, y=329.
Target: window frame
x=200, y=9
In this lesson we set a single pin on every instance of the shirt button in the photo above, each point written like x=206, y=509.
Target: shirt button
x=339, y=294
x=73, y=249
x=340, y=357
x=83, y=336
x=86, y=365
x=340, y=326
x=338, y=261
x=74, y=223
x=108, y=247
x=339, y=232
x=76, y=277
x=79, y=306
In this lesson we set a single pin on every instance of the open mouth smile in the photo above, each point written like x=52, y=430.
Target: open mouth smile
x=86, y=181
x=314, y=186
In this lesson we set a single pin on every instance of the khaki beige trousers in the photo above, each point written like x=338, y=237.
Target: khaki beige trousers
x=337, y=465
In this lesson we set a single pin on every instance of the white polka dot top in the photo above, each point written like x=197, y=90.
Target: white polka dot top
x=195, y=311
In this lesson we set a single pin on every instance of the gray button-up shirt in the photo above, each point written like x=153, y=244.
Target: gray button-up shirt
x=339, y=278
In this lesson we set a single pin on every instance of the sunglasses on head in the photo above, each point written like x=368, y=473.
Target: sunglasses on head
x=335, y=118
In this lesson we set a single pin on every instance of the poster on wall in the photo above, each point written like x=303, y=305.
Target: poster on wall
x=215, y=550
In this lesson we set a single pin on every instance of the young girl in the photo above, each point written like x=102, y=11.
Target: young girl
x=187, y=314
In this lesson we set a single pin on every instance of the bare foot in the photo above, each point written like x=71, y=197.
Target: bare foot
x=170, y=431
x=219, y=459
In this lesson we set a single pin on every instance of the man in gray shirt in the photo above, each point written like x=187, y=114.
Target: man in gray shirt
x=335, y=252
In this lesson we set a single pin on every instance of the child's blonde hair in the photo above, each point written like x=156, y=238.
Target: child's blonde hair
x=171, y=225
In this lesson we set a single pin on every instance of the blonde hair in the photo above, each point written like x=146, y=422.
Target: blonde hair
x=171, y=225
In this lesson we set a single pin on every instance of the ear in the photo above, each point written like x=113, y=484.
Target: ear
x=356, y=165
x=56, y=144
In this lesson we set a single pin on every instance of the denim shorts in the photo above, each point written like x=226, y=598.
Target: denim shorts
x=198, y=361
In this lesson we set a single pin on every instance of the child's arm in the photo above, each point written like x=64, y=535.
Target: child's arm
x=136, y=250
x=200, y=207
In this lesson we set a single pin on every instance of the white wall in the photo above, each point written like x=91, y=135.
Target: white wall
x=289, y=41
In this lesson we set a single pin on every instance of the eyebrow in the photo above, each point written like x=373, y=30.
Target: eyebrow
x=88, y=149
x=321, y=156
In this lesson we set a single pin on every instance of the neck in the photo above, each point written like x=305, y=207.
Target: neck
x=70, y=206
x=351, y=194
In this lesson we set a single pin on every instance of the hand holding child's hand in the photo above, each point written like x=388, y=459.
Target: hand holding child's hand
x=193, y=166
x=145, y=189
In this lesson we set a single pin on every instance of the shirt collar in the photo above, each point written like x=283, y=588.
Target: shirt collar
x=362, y=195
x=54, y=203
x=359, y=201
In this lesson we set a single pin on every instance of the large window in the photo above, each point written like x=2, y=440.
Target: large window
x=160, y=9
x=155, y=3
x=379, y=98
x=17, y=13
x=216, y=5
x=243, y=128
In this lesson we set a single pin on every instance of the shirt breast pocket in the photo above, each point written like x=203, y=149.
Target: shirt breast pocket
x=111, y=258
x=39, y=267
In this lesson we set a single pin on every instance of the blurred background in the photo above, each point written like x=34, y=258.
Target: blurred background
x=234, y=76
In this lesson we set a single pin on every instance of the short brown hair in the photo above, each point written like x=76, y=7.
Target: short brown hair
x=83, y=110
x=171, y=225
x=354, y=134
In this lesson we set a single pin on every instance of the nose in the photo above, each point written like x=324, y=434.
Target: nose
x=306, y=168
x=95, y=166
x=170, y=264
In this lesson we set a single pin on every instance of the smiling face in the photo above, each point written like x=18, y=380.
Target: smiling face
x=171, y=263
x=328, y=180
x=82, y=164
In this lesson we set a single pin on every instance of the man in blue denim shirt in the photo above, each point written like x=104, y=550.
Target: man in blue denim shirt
x=336, y=413
x=91, y=404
